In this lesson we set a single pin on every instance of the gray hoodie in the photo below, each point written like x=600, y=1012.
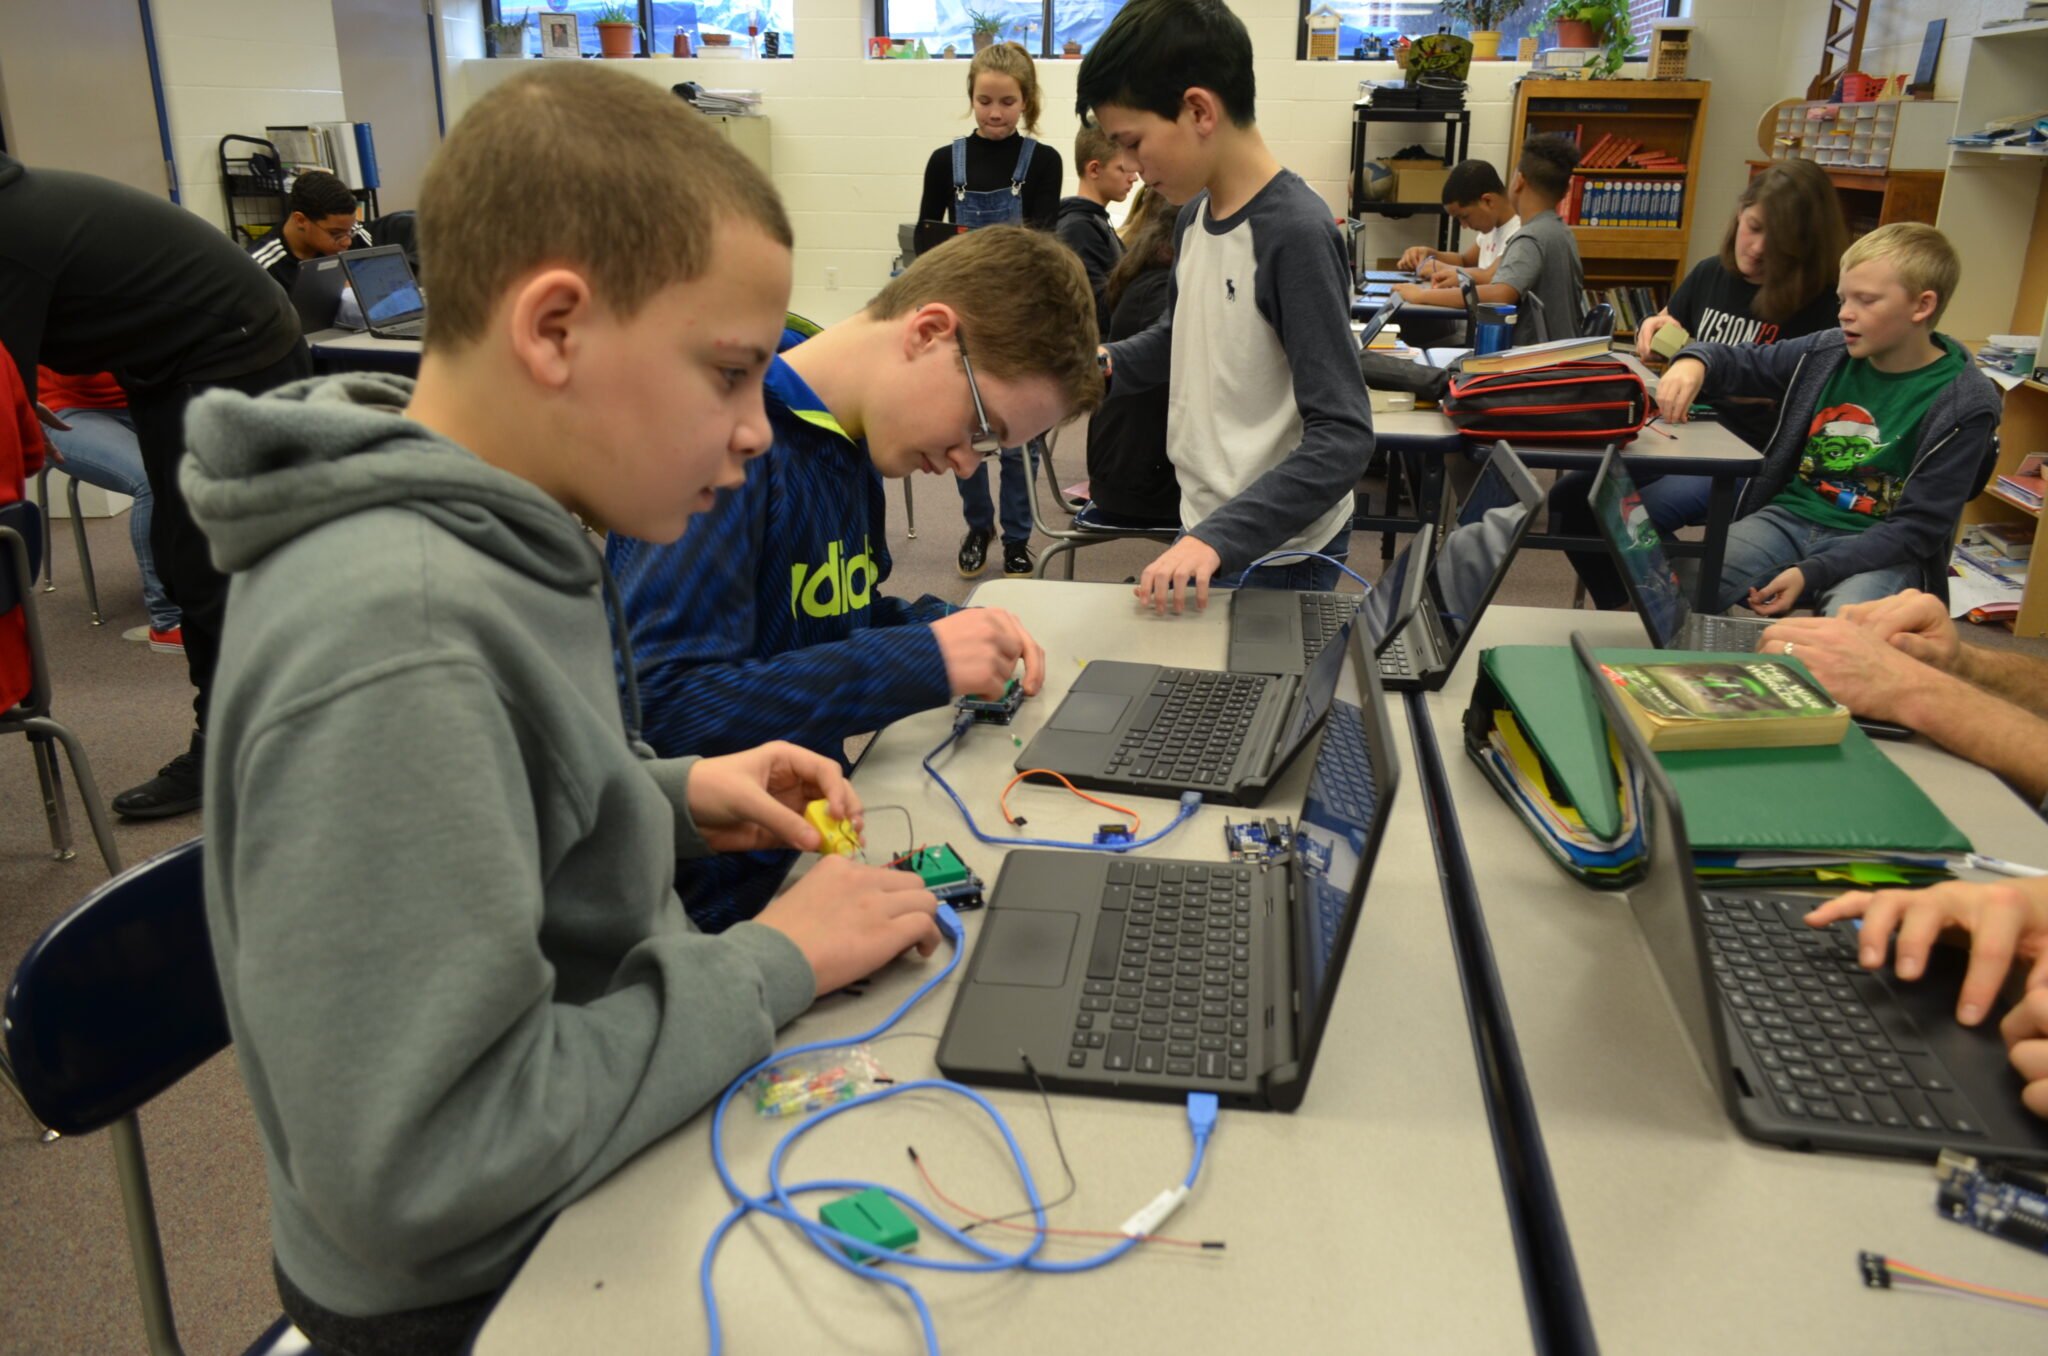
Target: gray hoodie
x=439, y=871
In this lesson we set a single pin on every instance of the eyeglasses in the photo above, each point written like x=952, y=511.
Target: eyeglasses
x=985, y=443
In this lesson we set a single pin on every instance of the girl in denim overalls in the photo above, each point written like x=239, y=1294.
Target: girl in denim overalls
x=997, y=177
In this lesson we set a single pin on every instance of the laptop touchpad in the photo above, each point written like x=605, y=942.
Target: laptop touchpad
x=1025, y=946
x=1090, y=712
x=1259, y=628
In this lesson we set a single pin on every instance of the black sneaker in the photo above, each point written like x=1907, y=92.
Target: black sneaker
x=974, y=552
x=1016, y=558
x=175, y=790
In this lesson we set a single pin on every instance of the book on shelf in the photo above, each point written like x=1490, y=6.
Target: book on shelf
x=2022, y=489
x=1977, y=556
x=1638, y=203
x=1745, y=703
x=2014, y=541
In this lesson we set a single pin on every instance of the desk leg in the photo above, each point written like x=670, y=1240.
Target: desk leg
x=1720, y=515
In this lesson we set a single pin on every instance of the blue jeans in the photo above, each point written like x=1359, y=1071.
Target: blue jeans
x=1301, y=575
x=100, y=449
x=1016, y=491
x=1677, y=501
x=1772, y=540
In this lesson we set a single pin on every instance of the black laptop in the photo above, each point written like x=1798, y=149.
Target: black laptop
x=1470, y=561
x=316, y=293
x=1149, y=978
x=1808, y=1049
x=1275, y=631
x=393, y=306
x=1653, y=587
x=1156, y=731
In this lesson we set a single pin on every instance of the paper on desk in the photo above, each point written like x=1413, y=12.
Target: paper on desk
x=1972, y=589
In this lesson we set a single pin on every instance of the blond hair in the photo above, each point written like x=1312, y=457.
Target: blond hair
x=1008, y=58
x=1919, y=254
x=583, y=167
x=1024, y=304
x=1092, y=143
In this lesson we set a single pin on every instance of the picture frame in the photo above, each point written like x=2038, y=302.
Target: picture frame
x=560, y=36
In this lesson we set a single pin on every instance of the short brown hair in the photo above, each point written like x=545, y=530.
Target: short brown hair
x=1804, y=236
x=585, y=167
x=1023, y=301
x=1092, y=143
x=1008, y=58
x=1547, y=163
x=1921, y=255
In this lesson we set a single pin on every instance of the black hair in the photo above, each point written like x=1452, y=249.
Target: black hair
x=321, y=195
x=1471, y=180
x=1155, y=51
x=1547, y=162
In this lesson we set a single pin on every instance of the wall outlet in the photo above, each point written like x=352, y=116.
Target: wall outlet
x=831, y=280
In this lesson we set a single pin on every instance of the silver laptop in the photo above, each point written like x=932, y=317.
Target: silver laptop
x=1807, y=1049
x=389, y=296
x=1149, y=978
x=1653, y=587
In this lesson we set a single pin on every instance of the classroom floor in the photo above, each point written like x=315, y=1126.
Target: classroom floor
x=63, y=1255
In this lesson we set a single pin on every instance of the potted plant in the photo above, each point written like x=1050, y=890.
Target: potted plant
x=985, y=27
x=1071, y=49
x=618, y=30
x=1485, y=18
x=951, y=52
x=1594, y=23
x=508, y=40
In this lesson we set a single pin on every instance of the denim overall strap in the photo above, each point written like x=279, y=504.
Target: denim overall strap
x=1023, y=166
x=977, y=208
x=959, y=167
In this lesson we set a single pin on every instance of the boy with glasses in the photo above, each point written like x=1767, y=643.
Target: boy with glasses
x=322, y=221
x=767, y=620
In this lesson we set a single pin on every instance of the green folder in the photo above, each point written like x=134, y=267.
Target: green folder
x=1845, y=797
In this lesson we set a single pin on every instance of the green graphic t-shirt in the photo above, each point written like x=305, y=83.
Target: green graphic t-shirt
x=1860, y=445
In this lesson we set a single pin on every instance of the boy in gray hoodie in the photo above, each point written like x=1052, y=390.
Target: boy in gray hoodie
x=439, y=860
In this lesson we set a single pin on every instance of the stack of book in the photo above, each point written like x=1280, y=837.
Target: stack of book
x=346, y=149
x=1999, y=550
x=2013, y=354
x=1651, y=203
x=2023, y=486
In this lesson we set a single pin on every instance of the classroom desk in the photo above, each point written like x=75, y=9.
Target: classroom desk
x=1372, y=1218
x=1689, y=1238
x=359, y=351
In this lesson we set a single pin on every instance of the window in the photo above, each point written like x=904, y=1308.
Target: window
x=1385, y=19
x=1043, y=26
x=659, y=20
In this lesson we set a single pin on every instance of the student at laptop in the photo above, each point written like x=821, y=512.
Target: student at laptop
x=1130, y=475
x=320, y=220
x=1083, y=223
x=1773, y=280
x=1541, y=257
x=768, y=621
x=999, y=176
x=1272, y=427
x=1474, y=194
x=1883, y=426
x=438, y=858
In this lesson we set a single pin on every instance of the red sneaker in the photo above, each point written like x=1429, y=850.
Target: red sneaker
x=167, y=642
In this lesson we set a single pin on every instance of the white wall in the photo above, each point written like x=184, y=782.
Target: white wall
x=1891, y=40
x=850, y=136
x=239, y=66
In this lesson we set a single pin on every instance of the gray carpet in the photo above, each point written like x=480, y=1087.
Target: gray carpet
x=63, y=1257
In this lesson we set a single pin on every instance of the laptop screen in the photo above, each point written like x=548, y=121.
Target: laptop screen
x=1645, y=569
x=1392, y=601
x=384, y=287
x=1318, y=686
x=1338, y=833
x=1475, y=555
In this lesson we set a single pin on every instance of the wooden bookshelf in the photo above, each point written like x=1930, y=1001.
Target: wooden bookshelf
x=1664, y=115
x=1874, y=198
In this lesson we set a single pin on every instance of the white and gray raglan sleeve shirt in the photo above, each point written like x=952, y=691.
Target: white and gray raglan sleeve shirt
x=1269, y=427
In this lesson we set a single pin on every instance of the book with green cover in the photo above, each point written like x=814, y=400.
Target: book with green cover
x=1747, y=701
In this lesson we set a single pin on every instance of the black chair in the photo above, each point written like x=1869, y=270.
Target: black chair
x=1598, y=321
x=116, y=1002
x=400, y=229
x=21, y=547
x=92, y=591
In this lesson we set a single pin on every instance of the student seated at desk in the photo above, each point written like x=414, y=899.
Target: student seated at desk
x=321, y=220
x=1542, y=257
x=1130, y=475
x=767, y=621
x=1083, y=222
x=1474, y=194
x=1882, y=428
x=439, y=859
x=1271, y=427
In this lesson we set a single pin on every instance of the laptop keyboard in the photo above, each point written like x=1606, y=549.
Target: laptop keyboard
x=1832, y=1044
x=1169, y=973
x=1322, y=616
x=1395, y=661
x=1188, y=731
x=1714, y=635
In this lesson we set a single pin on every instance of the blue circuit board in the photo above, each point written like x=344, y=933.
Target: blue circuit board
x=2005, y=1202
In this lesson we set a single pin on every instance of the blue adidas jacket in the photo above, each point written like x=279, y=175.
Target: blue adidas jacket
x=767, y=621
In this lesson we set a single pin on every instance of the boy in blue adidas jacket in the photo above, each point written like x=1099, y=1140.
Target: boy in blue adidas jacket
x=767, y=620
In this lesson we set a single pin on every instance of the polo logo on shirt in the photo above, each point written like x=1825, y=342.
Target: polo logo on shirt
x=1230, y=289
x=843, y=584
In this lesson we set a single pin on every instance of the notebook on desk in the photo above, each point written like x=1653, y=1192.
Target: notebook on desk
x=1147, y=978
x=1806, y=1048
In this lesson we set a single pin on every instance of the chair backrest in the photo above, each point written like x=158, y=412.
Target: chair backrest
x=119, y=999
x=18, y=573
x=1599, y=322
x=400, y=229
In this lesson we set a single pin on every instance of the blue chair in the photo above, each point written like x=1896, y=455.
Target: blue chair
x=113, y=1004
x=21, y=546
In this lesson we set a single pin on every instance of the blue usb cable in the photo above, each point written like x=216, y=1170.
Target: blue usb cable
x=778, y=1202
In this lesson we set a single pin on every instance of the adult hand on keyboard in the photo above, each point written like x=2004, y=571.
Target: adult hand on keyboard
x=2006, y=921
x=1183, y=571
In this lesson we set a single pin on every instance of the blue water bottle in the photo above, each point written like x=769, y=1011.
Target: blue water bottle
x=1494, y=330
